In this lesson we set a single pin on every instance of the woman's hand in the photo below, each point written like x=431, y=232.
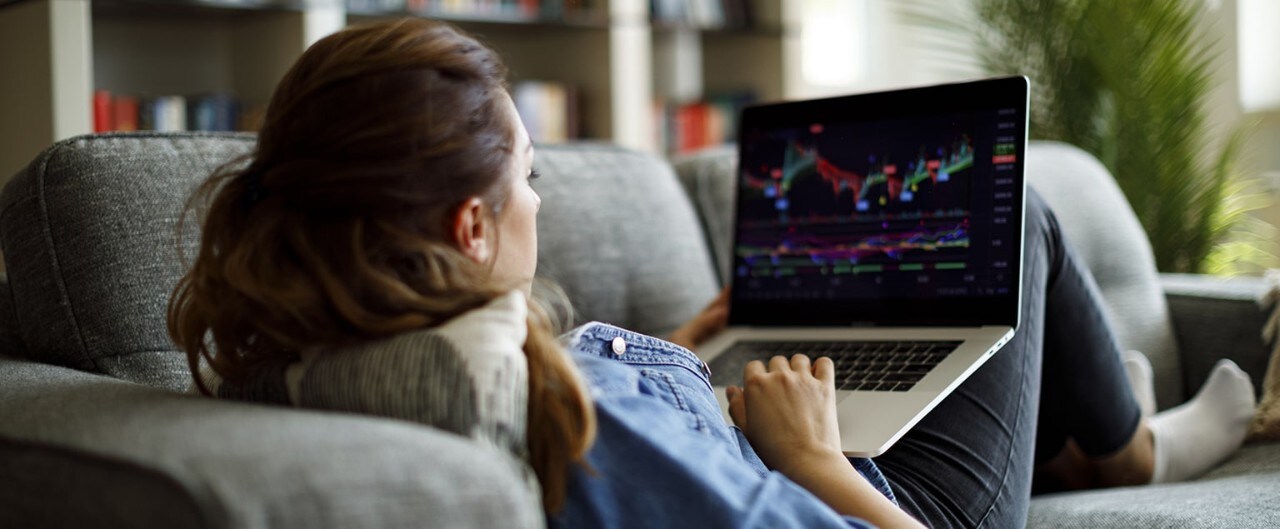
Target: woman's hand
x=706, y=324
x=788, y=410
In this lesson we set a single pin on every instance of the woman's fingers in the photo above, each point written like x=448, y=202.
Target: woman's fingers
x=800, y=364
x=824, y=369
x=779, y=363
x=788, y=404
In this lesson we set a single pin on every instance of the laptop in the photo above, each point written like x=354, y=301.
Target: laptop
x=883, y=230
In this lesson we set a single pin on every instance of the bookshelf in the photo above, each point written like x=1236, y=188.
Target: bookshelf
x=57, y=53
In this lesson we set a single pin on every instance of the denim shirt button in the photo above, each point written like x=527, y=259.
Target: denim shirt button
x=619, y=346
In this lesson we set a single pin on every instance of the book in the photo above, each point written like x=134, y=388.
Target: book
x=204, y=112
x=125, y=113
x=702, y=14
x=170, y=113
x=549, y=110
x=689, y=127
x=213, y=112
x=103, y=121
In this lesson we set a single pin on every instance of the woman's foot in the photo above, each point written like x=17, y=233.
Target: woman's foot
x=1192, y=438
x=1141, y=380
x=1174, y=445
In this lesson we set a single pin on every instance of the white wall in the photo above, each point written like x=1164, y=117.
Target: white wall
x=867, y=45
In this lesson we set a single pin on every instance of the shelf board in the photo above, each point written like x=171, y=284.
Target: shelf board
x=201, y=8
x=760, y=31
x=243, y=5
x=586, y=20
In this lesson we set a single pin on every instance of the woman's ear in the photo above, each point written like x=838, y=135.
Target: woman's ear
x=471, y=225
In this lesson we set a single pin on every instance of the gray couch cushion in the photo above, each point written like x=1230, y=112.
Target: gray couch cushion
x=1215, y=318
x=1100, y=223
x=618, y=234
x=1094, y=214
x=1241, y=493
x=10, y=340
x=89, y=229
x=708, y=178
x=133, y=456
x=89, y=247
x=125, y=494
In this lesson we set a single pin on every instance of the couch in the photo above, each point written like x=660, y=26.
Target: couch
x=95, y=430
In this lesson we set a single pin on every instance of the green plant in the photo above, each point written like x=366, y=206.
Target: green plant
x=1127, y=81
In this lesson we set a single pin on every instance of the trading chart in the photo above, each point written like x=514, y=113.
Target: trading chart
x=856, y=199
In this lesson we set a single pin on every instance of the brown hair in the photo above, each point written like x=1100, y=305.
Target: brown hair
x=335, y=232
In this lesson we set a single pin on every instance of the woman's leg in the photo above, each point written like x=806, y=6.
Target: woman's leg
x=969, y=462
x=1091, y=433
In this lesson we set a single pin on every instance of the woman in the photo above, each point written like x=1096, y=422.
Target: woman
x=388, y=205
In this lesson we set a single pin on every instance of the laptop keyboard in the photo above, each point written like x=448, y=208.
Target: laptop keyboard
x=860, y=366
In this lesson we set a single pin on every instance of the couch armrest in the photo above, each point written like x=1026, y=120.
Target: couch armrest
x=1218, y=318
x=83, y=450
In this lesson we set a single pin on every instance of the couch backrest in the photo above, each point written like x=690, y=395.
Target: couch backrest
x=619, y=234
x=88, y=234
x=1093, y=212
x=81, y=450
x=1100, y=224
x=10, y=339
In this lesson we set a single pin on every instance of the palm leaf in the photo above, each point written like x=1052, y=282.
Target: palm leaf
x=1127, y=81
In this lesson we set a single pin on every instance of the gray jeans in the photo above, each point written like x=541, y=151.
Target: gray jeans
x=969, y=462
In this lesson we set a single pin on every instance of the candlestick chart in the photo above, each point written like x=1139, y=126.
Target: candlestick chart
x=832, y=210
x=910, y=185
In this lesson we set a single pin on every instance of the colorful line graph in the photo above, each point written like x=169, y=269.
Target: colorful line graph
x=882, y=182
x=913, y=249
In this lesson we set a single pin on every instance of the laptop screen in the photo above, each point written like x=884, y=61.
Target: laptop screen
x=901, y=207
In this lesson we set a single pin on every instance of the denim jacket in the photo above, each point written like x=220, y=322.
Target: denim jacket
x=664, y=456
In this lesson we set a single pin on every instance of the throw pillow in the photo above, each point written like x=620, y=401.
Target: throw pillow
x=468, y=376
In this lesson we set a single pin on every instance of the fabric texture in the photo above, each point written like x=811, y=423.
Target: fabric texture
x=616, y=232
x=10, y=339
x=127, y=495
x=468, y=376
x=1218, y=318
x=708, y=177
x=1240, y=493
x=89, y=245
x=664, y=456
x=109, y=453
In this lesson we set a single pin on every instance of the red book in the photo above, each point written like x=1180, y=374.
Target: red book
x=694, y=125
x=686, y=131
x=126, y=113
x=102, y=118
x=529, y=8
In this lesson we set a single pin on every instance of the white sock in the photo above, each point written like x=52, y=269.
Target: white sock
x=1141, y=381
x=1192, y=438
